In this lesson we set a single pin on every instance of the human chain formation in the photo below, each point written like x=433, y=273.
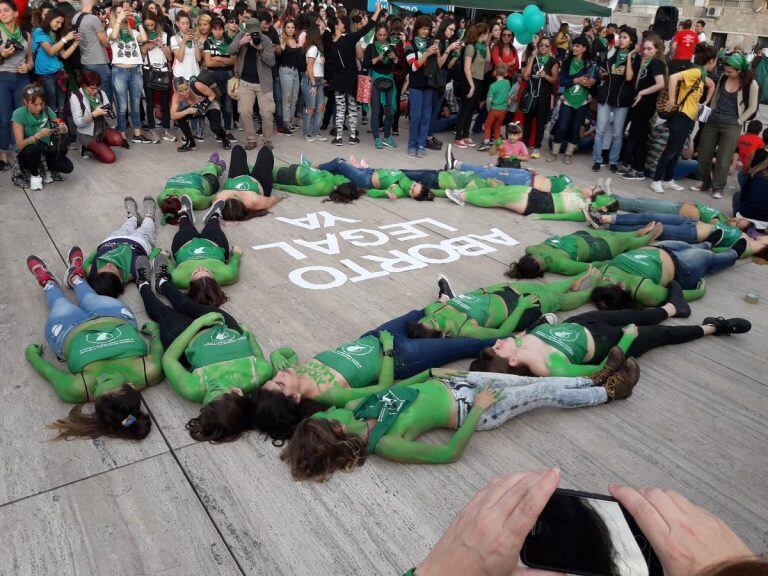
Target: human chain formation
x=638, y=260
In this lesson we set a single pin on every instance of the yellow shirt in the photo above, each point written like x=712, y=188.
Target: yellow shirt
x=689, y=78
x=562, y=40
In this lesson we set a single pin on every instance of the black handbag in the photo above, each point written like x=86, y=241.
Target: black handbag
x=383, y=84
x=158, y=79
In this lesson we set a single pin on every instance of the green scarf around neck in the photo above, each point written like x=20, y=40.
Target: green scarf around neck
x=420, y=44
x=382, y=49
x=482, y=49
x=15, y=35
x=125, y=35
x=152, y=34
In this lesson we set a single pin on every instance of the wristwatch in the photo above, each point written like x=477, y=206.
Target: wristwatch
x=390, y=353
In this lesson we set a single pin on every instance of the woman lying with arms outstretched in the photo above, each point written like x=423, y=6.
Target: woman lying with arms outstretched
x=108, y=362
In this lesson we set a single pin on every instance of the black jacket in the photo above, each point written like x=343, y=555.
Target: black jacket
x=614, y=90
x=341, y=59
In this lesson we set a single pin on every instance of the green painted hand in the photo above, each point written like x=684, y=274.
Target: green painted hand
x=210, y=319
x=386, y=339
x=34, y=350
x=529, y=301
x=151, y=329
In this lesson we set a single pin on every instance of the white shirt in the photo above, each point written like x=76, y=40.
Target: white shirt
x=125, y=53
x=318, y=69
x=702, y=37
x=156, y=56
x=189, y=67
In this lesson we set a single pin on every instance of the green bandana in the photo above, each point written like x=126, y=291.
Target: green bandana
x=15, y=35
x=703, y=73
x=738, y=62
x=481, y=49
x=385, y=407
x=94, y=101
x=420, y=43
x=620, y=62
x=152, y=34
x=382, y=49
x=576, y=95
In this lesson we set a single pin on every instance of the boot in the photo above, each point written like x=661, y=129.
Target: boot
x=620, y=384
x=554, y=152
x=612, y=365
x=569, y=150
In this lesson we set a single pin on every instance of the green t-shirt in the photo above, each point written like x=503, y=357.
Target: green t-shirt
x=33, y=124
x=498, y=94
x=559, y=183
x=217, y=344
x=568, y=338
x=359, y=362
x=565, y=243
x=88, y=346
x=707, y=214
x=200, y=249
x=643, y=263
x=576, y=95
x=388, y=176
x=730, y=235
x=476, y=306
x=122, y=257
x=186, y=181
x=244, y=182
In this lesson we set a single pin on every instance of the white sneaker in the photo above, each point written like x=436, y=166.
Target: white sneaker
x=657, y=187
x=308, y=139
x=35, y=183
x=455, y=196
x=672, y=185
x=47, y=179
x=320, y=138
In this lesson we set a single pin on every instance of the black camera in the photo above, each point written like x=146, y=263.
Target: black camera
x=109, y=109
x=256, y=38
x=202, y=108
x=390, y=54
x=103, y=6
x=58, y=127
x=15, y=44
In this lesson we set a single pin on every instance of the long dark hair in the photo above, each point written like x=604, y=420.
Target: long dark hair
x=526, y=267
x=440, y=34
x=320, y=447
x=236, y=211
x=52, y=14
x=206, y=291
x=345, y=194
x=489, y=361
x=586, y=57
x=313, y=38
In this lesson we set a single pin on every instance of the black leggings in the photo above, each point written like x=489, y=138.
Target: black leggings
x=187, y=231
x=541, y=114
x=31, y=156
x=606, y=329
x=173, y=321
x=262, y=169
x=214, y=119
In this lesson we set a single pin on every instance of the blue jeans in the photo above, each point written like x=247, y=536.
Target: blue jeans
x=64, y=316
x=128, y=83
x=694, y=261
x=289, y=89
x=648, y=205
x=313, y=113
x=360, y=177
x=675, y=227
x=420, y=103
x=617, y=134
x=54, y=97
x=509, y=176
x=444, y=124
x=414, y=355
x=277, y=95
x=679, y=128
x=568, y=124
x=11, y=85
x=105, y=73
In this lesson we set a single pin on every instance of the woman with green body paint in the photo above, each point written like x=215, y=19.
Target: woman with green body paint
x=578, y=252
x=108, y=362
x=200, y=186
x=389, y=423
x=501, y=309
x=306, y=180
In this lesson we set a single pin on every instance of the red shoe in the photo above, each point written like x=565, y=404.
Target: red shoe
x=40, y=271
x=75, y=259
x=459, y=144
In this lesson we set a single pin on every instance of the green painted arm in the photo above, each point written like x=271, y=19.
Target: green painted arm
x=283, y=358
x=394, y=189
x=567, y=267
x=507, y=327
x=69, y=387
x=154, y=363
x=567, y=216
x=187, y=384
x=651, y=294
x=400, y=450
x=230, y=273
x=696, y=294
x=439, y=193
x=416, y=379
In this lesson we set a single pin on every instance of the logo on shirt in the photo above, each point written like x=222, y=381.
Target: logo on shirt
x=225, y=337
x=200, y=250
x=127, y=49
x=241, y=186
x=565, y=335
x=357, y=349
x=640, y=256
x=103, y=337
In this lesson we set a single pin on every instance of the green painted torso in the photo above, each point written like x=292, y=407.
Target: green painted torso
x=246, y=373
x=217, y=344
x=109, y=339
x=245, y=182
x=707, y=214
x=359, y=362
x=643, y=263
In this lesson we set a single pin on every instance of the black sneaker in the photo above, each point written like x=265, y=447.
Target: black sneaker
x=160, y=266
x=353, y=139
x=141, y=139
x=443, y=287
x=226, y=144
x=596, y=167
x=740, y=246
x=84, y=154
x=633, y=174
x=6, y=166
x=56, y=176
x=450, y=159
x=434, y=144
x=125, y=144
x=214, y=212
x=337, y=141
x=187, y=146
x=729, y=326
x=614, y=168
x=187, y=208
x=677, y=299
x=143, y=270
x=592, y=217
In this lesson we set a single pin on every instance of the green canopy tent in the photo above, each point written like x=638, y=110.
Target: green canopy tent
x=573, y=7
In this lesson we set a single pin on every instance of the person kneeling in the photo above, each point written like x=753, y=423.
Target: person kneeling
x=90, y=109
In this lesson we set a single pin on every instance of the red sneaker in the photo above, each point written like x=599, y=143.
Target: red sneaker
x=40, y=271
x=75, y=259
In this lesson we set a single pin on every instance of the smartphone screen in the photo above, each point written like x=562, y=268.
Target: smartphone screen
x=588, y=534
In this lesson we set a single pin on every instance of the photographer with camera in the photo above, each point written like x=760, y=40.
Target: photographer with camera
x=255, y=60
x=197, y=99
x=94, y=41
x=90, y=108
x=38, y=132
x=15, y=63
x=125, y=35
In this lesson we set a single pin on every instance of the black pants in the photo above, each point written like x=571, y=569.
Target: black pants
x=262, y=169
x=398, y=91
x=173, y=321
x=680, y=126
x=541, y=114
x=214, y=119
x=639, y=131
x=606, y=329
x=31, y=156
x=466, y=109
x=165, y=105
x=187, y=231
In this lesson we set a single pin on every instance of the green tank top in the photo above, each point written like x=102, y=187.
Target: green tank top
x=560, y=183
x=88, y=346
x=186, y=181
x=385, y=407
x=245, y=182
x=598, y=249
x=568, y=338
x=122, y=257
x=707, y=214
x=217, y=344
x=476, y=306
x=644, y=263
x=306, y=175
x=388, y=176
x=359, y=362
x=730, y=235
x=200, y=249
x=457, y=179
x=565, y=243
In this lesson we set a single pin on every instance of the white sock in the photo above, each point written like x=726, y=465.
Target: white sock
x=76, y=280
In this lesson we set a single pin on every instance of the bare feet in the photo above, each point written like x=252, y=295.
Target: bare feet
x=657, y=231
x=645, y=229
x=355, y=161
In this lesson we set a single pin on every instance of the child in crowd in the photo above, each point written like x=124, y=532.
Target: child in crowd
x=496, y=103
x=511, y=151
x=747, y=145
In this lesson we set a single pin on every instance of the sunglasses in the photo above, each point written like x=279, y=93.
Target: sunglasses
x=507, y=34
x=33, y=90
x=543, y=45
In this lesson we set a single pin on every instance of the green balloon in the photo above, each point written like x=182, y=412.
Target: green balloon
x=533, y=18
x=524, y=37
x=516, y=23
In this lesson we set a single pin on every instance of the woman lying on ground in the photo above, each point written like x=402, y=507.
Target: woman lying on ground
x=388, y=423
x=379, y=183
x=247, y=191
x=202, y=261
x=501, y=309
x=108, y=362
x=307, y=180
x=644, y=275
x=200, y=186
x=352, y=371
x=692, y=210
x=207, y=352
x=111, y=266
x=720, y=236
x=577, y=252
x=580, y=345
